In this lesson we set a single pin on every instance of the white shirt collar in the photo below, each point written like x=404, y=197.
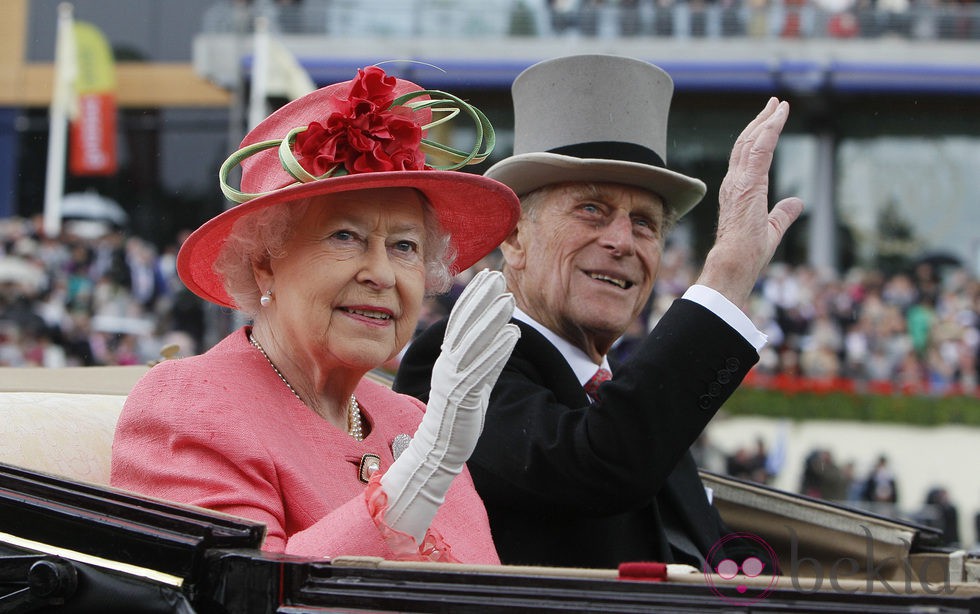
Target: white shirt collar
x=578, y=360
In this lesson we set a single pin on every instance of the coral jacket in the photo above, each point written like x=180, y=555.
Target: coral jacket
x=222, y=431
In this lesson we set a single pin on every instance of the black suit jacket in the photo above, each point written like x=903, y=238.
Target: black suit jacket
x=567, y=482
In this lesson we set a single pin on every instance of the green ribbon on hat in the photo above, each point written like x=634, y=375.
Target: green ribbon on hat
x=439, y=102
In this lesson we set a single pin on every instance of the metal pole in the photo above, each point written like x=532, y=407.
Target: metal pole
x=823, y=216
x=61, y=100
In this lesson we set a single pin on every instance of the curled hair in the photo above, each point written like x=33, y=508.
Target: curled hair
x=438, y=254
x=263, y=235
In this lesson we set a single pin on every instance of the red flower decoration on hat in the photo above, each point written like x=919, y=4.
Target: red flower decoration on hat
x=377, y=125
x=369, y=135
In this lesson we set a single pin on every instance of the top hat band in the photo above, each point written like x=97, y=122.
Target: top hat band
x=612, y=150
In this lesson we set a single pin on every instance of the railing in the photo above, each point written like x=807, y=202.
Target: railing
x=758, y=19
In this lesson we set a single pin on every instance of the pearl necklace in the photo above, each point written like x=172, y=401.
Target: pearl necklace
x=354, y=428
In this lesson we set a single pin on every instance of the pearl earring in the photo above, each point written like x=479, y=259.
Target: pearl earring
x=266, y=299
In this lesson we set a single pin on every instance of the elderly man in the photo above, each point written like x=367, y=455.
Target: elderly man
x=574, y=471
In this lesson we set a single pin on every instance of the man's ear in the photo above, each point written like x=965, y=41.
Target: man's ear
x=513, y=249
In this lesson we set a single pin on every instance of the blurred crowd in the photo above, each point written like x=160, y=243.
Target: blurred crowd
x=914, y=19
x=94, y=296
x=920, y=19
x=915, y=331
x=108, y=298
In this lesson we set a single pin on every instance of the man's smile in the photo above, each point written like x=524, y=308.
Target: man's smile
x=616, y=281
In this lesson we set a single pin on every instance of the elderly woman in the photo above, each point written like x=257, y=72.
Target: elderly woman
x=341, y=229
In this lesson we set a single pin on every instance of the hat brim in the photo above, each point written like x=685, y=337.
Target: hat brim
x=477, y=212
x=527, y=172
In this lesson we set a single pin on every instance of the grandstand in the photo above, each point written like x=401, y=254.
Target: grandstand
x=857, y=74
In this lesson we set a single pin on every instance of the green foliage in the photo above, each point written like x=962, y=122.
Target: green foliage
x=900, y=409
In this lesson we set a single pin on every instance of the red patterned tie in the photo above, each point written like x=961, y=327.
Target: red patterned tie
x=592, y=386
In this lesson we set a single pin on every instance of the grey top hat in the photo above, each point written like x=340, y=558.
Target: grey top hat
x=594, y=118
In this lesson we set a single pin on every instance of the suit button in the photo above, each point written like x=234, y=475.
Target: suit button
x=714, y=389
x=705, y=402
x=724, y=376
x=732, y=364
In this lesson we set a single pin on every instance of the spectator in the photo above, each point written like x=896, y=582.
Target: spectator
x=823, y=478
x=880, y=487
x=739, y=464
x=752, y=465
x=941, y=513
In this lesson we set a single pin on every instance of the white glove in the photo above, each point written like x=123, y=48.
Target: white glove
x=476, y=346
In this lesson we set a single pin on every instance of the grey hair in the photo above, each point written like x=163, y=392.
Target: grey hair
x=263, y=235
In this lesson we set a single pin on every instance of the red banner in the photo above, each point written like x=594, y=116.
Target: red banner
x=93, y=136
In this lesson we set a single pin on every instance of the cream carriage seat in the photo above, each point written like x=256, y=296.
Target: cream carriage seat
x=61, y=421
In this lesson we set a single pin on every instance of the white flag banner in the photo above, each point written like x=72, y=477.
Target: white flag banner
x=64, y=105
x=287, y=78
x=275, y=72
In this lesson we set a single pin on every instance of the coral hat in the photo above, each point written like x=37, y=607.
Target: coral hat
x=594, y=118
x=357, y=135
